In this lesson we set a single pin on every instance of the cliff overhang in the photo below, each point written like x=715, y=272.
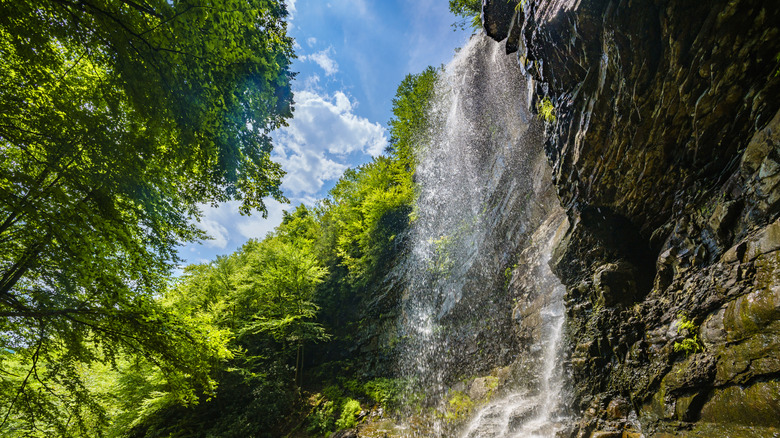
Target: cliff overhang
x=665, y=150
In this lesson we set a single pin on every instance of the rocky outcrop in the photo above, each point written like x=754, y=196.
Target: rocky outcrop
x=665, y=150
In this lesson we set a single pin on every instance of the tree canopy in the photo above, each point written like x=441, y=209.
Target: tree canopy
x=469, y=11
x=118, y=119
x=411, y=108
x=302, y=285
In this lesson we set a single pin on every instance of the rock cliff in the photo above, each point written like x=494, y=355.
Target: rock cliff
x=664, y=143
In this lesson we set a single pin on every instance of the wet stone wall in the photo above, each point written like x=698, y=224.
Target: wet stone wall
x=665, y=150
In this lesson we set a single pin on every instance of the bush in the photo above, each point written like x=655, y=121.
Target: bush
x=321, y=420
x=384, y=391
x=349, y=414
x=332, y=392
x=691, y=343
x=460, y=405
x=546, y=110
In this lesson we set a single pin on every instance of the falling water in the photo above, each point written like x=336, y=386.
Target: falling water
x=533, y=412
x=486, y=204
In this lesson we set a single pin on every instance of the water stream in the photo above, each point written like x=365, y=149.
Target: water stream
x=479, y=292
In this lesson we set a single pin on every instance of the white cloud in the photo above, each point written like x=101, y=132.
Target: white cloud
x=309, y=201
x=291, y=9
x=324, y=60
x=311, y=82
x=313, y=149
x=255, y=226
x=311, y=41
x=316, y=148
x=307, y=171
x=210, y=223
x=229, y=229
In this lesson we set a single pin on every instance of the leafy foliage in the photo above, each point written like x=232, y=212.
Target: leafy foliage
x=365, y=211
x=386, y=392
x=459, y=406
x=690, y=343
x=321, y=421
x=117, y=119
x=298, y=287
x=469, y=11
x=546, y=110
x=411, y=106
x=262, y=295
x=349, y=414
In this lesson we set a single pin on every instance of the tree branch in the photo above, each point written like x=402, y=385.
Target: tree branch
x=24, y=383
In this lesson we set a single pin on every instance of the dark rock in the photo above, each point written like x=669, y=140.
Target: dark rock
x=755, y=405
x=346, y=433
x=514, y=35
x=615, y=284
x=665, y=152
x=497, y=17
x=698, y=371
x=618, y=408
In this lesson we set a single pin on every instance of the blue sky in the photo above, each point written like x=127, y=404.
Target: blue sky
x=352, y=54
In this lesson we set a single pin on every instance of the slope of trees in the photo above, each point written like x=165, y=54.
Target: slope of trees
x=298, y=287
x=117, y=118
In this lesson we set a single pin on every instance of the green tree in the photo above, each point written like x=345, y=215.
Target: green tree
x=281, y=292
x=469, y=12
x=118, y=119
x=364, y=213
x=277, y=288
x=411, y=108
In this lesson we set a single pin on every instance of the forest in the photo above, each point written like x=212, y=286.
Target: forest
x=118, y=119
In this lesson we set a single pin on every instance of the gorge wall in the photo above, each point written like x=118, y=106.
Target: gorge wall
x=665, y=154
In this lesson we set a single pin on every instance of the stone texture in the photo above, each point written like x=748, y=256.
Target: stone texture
x=347, y=433
x=482, y=387
x=665, y=152
x=497, y=17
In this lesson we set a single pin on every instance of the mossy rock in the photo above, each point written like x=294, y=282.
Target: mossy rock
x=755, y=406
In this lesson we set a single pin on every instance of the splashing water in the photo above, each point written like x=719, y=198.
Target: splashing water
x=532, y=412
x=485, y=201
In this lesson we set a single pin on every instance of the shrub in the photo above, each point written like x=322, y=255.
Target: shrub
x=460, y=404
x=384, y=391
x=332, y=392
x=349, y=414
x=691, y=343
x=321, y=420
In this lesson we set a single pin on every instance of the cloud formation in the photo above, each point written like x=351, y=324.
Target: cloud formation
x=324, y=60
x=319, y=144
x=313, y=149
x=291, y=9
x=227, y=227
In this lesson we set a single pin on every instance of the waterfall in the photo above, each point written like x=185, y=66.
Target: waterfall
x=532, y=412
x=481, y=237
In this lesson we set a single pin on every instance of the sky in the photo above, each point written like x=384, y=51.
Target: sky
x=352, y=55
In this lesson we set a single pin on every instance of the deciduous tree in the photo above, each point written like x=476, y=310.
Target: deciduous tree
x=117, y=119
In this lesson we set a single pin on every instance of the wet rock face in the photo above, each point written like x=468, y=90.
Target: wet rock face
x=497, y=17
x=651, y=96
x=665, y=151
